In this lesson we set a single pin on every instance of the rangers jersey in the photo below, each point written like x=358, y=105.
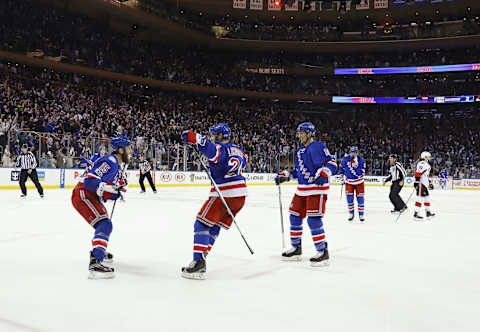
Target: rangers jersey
x=105, y=170
x=227, y=162
x=423, y=172
x=310, y=162
x=353, y=169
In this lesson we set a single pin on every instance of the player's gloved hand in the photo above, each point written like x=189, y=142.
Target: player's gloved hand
x=430, y=185
x=341, y=179
x=110, y=191
x=190, y=137
x=282, y=177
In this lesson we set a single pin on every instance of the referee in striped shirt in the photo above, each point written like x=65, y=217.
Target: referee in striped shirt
x=397, y=176
x=28, y=164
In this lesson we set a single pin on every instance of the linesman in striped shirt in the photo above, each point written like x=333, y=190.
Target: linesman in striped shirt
x=28, y=164
x=145, y=169
x=397, y=176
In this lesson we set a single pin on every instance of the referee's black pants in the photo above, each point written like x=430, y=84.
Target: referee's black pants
x=394, y=196
x=147, y=175
x=33, y=176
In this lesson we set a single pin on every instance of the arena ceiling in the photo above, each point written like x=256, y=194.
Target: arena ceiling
x=427, y=11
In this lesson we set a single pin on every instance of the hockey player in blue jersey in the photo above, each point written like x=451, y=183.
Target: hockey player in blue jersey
x=227, y=162
x=313, y=166
x=103, y=181
x=352, y=172
x=443, y=177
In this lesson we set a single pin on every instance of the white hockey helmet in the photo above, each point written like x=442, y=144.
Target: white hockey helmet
x=426, y=155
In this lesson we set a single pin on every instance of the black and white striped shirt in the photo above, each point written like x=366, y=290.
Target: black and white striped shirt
x=145, y=167
x=397, y=173
x=27, y=161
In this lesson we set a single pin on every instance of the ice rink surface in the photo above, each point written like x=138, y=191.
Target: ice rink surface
x=383, y=276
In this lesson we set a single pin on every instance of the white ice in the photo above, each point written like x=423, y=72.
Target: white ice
x=384, y=276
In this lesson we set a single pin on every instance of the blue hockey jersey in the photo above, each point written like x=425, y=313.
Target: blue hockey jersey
x=353, y=169
x=311, y=162
x=105, y=170
x=227, y=162
x=443, y=175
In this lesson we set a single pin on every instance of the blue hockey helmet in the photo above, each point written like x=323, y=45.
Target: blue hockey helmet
x=307, y=127
x=354, y=149
x=221, y=128
x=119, y=142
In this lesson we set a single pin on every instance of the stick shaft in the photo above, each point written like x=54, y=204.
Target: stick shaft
x=214, y=184
x=409, y=197
x=281, y=215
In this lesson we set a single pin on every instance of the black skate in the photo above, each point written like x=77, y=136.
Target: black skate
x=394, y=211
x=362, y=218
x=142, y=192
x=430, y=215
x=195, y=270
x=155, y=192
x=320, y=259
x=350, y=219
x=417, y=217
x=405, y=208
x=98, y=270
x=41, y=196
x=293, y=254
x=108, y=258
x=23, y=195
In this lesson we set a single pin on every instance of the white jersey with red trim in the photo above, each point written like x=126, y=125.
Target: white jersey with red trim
x=423, y=172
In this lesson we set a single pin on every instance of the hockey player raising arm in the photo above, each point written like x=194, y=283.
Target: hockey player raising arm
x=313, y=166
x=227, y=162
x=103, y=181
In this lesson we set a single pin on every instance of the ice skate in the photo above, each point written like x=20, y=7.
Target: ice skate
x=195, y=270
x=98, y=270
x=293, y=254
x=108, y=258
x=417, y=217
x=430, y=215
x=320, y=259
x=350, y=219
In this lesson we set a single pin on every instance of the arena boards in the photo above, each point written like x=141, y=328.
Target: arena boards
x=68, y=178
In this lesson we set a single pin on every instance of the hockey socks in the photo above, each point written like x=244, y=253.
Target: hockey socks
x=103, y=229
x=361, y=205
x=296, y=230
x=350, y=203
x=214, y=231
x=318, y=234
x=201, y=240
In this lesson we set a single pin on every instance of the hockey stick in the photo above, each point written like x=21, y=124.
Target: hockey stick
x=281, y=215
x=214, y=184
x=406, y=203
x=341, y=190
x=124, y=166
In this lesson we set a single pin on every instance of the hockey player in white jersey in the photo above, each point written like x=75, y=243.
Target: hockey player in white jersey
x=422, y=185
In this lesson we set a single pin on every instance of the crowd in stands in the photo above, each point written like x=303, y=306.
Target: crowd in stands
x=76, y=115
x=313, y=30
x=30, y=27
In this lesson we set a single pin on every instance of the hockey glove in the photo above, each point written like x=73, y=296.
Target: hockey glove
x=109, y=191
x=190, y=137
x=341, y=179
x=282, y=177
x=430, y=185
